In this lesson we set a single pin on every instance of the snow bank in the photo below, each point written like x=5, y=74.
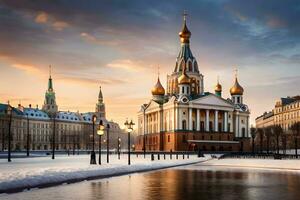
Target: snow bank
x=267, y=164
x=26, y=173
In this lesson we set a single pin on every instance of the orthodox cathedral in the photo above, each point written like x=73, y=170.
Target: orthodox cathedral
x=185, y=117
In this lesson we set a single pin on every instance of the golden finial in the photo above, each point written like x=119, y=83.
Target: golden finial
x=185, y=34
x=218, y=87
x=184, y=15
x=236, y=72
x=158, y=89
x=236, y=89
x=50, y=71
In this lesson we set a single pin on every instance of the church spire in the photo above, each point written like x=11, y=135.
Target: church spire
x=100, y=96
x=185, y=34
x=50, y=84
x=50, y=105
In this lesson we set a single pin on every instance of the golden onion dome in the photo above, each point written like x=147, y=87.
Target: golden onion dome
x=184, y=78
x=158, y=89
x=218, y=87
x=185, y=34
x=236, y=89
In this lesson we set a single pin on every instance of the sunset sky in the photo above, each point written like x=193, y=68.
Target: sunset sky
x=120, y=44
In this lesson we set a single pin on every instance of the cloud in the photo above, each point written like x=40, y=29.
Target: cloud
x=27, y=68
x=92, y=39
x=91, y=81
x=126, y=64
x=60, y=25
x=41, y=18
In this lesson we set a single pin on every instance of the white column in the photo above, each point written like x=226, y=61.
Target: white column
x=175, y=118
x=207, y=121
x=198, y=120
x=225, y=121
x=179, y=119
x=237, y=131
x=146, y=124
x=216, y=121
x=158, y=122
x=190, y=119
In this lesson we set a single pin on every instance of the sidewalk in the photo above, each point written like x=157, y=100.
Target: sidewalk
x=27, y=173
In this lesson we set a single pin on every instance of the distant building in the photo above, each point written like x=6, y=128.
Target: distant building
x=286, y=112
x=265, y=120
x=73, y=129
x=185, y=117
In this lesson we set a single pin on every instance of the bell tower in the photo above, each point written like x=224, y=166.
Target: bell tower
x=50, y=105
x=100, y=106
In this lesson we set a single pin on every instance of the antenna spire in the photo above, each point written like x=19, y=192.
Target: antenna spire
x=50, y=71
x=236, y=72
x=184, y=15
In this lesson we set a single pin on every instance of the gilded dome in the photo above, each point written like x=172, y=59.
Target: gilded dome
x=184, y=79
x=218, y=87
x=236, y=89
x=158, y=89
x=185, y=34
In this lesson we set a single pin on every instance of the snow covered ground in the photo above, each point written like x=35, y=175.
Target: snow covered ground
x=268, y=164
x=25, y=173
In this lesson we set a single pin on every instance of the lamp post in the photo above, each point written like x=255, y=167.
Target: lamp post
x=100, y=132
x=53, y=136
x=119, y=147
x=93, y=155
x=253, y=134
x=9, y=113
x=129, y=126
x=107, y=138
x=28, y=136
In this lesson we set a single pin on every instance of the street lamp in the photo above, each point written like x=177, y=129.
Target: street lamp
x=28, y=136
x=93, y=155
x=53, y=137
x=100, y=132
x=119, y=147
x=129, y=126
x=107, y=138
x=9, y=113
x=253, y=134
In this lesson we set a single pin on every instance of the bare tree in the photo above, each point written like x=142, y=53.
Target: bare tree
x=260, y=134
x=268, y=134
x=295, y=128
x=277, y=131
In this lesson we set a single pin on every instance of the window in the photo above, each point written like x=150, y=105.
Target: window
x=243, y=132
x=182, y=90
x=184, y=124
x=168, y=138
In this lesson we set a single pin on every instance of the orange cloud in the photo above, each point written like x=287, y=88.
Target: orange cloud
x=125, y=64
x=44, y=18
x=60, y=25
x=41, y=18
x=27, y=68
x=92, y=39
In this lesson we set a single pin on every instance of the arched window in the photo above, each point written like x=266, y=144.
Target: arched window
x=243, y=132
x=184, y=124
x=190, y=66
x=182, y=66
x=196, y=67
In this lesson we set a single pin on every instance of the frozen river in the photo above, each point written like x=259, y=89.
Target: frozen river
x=182, y=183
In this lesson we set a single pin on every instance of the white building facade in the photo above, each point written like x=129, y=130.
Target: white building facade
x=185, y=115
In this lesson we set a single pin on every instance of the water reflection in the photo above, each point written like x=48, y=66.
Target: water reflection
x=193, y=182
